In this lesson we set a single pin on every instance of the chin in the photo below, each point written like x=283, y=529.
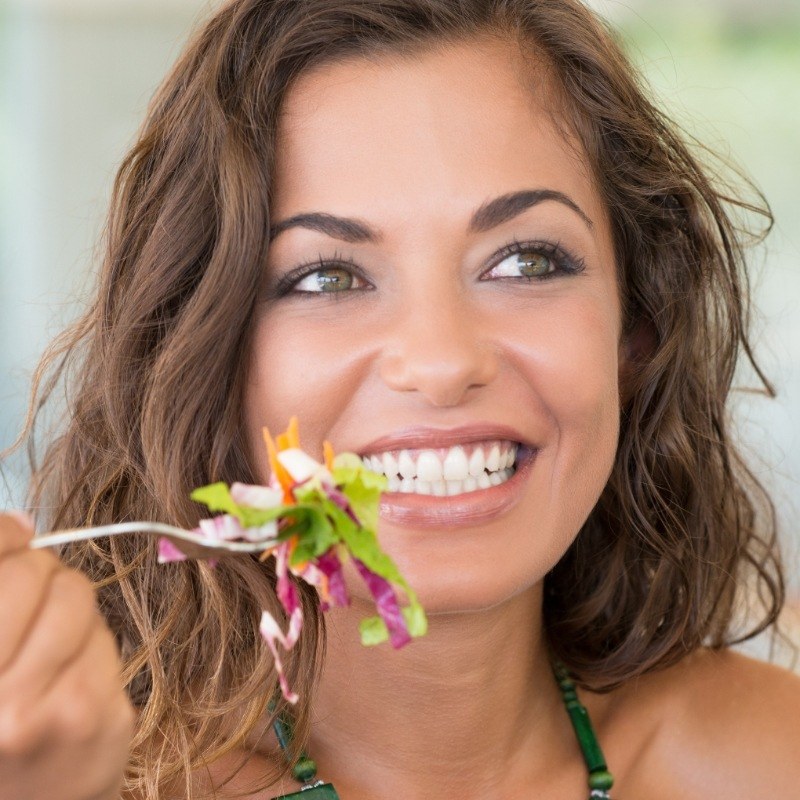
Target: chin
x=459, y=585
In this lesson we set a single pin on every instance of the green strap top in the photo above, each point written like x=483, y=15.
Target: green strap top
x=600, y=779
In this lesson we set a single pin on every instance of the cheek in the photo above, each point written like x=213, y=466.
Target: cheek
x=568, y=355
x=578, y=379
x=291, y=375
x=571, y=368
x=279, y=386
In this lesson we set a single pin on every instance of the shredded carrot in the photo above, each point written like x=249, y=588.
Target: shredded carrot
x=293, y=541
x=280, y=472
x=272, y=451
x=323, y=589
x=293, y=433
x=327, y=449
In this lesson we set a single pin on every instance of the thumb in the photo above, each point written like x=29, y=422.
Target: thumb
x=16, y=530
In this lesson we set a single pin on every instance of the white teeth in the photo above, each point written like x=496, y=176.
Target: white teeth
x=486, y=466
x=476, y=462
x=493, y=459
x=389, y=464
x=429, y=468
x=455, y=467
x=406, y=465
x=439, y=488
x=442, y=488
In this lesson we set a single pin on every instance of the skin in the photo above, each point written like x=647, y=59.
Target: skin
x=65, y=719
x=431, y=335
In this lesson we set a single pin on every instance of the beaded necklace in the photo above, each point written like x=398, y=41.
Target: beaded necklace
x=600, y=779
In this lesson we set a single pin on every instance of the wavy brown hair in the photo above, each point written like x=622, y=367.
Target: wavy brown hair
x=155, y=369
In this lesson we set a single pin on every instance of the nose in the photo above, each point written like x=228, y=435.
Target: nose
x=439, y=349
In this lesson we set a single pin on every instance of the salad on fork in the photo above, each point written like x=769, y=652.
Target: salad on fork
x=313, y=516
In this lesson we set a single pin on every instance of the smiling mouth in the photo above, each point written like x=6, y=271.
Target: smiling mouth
x=447, y=471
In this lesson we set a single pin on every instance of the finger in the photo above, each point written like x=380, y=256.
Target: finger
x=16, y=530
x=81, y=727
x=87, y=698
x=89, y=708
x=59, y=633
x=24, y=585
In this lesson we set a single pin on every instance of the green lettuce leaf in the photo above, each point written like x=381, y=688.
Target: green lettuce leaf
x=373, y=630
x=316, y=534
x=361, y=486
x=362, y=543
x=217, y=496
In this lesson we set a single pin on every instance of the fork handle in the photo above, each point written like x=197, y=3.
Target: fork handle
x=82, y=534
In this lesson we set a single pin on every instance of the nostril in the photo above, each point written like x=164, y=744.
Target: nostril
x=439, y=363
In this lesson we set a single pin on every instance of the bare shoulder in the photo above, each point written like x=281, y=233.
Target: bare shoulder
x=722, y=725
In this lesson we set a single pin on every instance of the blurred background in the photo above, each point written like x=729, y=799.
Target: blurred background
x=76, y=76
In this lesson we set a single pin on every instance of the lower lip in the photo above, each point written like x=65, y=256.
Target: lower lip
x=469, y=508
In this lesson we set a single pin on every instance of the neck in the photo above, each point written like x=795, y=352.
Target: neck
x=470, y=705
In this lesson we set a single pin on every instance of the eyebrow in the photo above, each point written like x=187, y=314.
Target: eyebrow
x=487, y=216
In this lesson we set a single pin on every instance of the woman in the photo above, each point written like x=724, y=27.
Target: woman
x=420, y=225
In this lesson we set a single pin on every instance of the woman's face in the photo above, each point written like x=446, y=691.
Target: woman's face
x=432, y=331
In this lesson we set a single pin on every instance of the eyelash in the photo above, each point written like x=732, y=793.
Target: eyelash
x=294, y=276
x=564, y=262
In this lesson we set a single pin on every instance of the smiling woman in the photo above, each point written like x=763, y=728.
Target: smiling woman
x=484, y=310
x=455, y=238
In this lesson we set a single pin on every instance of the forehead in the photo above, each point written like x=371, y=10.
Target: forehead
x=397, y=140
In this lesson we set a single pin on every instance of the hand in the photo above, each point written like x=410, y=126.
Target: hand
x=65, y=720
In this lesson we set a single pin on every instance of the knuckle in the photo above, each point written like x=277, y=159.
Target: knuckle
x=20, y=734
x=46, y=560
x=14, y=532
x=124, y=719
x=27, y=572
x=78, y=716
x=77, y=587
x=27, y=569
x=106, y=639
x=110, y=647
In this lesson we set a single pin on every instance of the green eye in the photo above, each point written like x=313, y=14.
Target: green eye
x=535, y=265
x=331, y=279
x=533, y=261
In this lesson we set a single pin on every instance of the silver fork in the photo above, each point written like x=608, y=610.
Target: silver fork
x=157, y=528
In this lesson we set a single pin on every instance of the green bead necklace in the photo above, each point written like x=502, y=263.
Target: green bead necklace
x=600, y=779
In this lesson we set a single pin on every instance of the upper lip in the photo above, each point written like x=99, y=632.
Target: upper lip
x=423, y=437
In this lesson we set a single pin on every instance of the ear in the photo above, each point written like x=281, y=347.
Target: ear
x=637, y=347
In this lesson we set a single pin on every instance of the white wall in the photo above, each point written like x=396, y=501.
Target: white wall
x=75, y=78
